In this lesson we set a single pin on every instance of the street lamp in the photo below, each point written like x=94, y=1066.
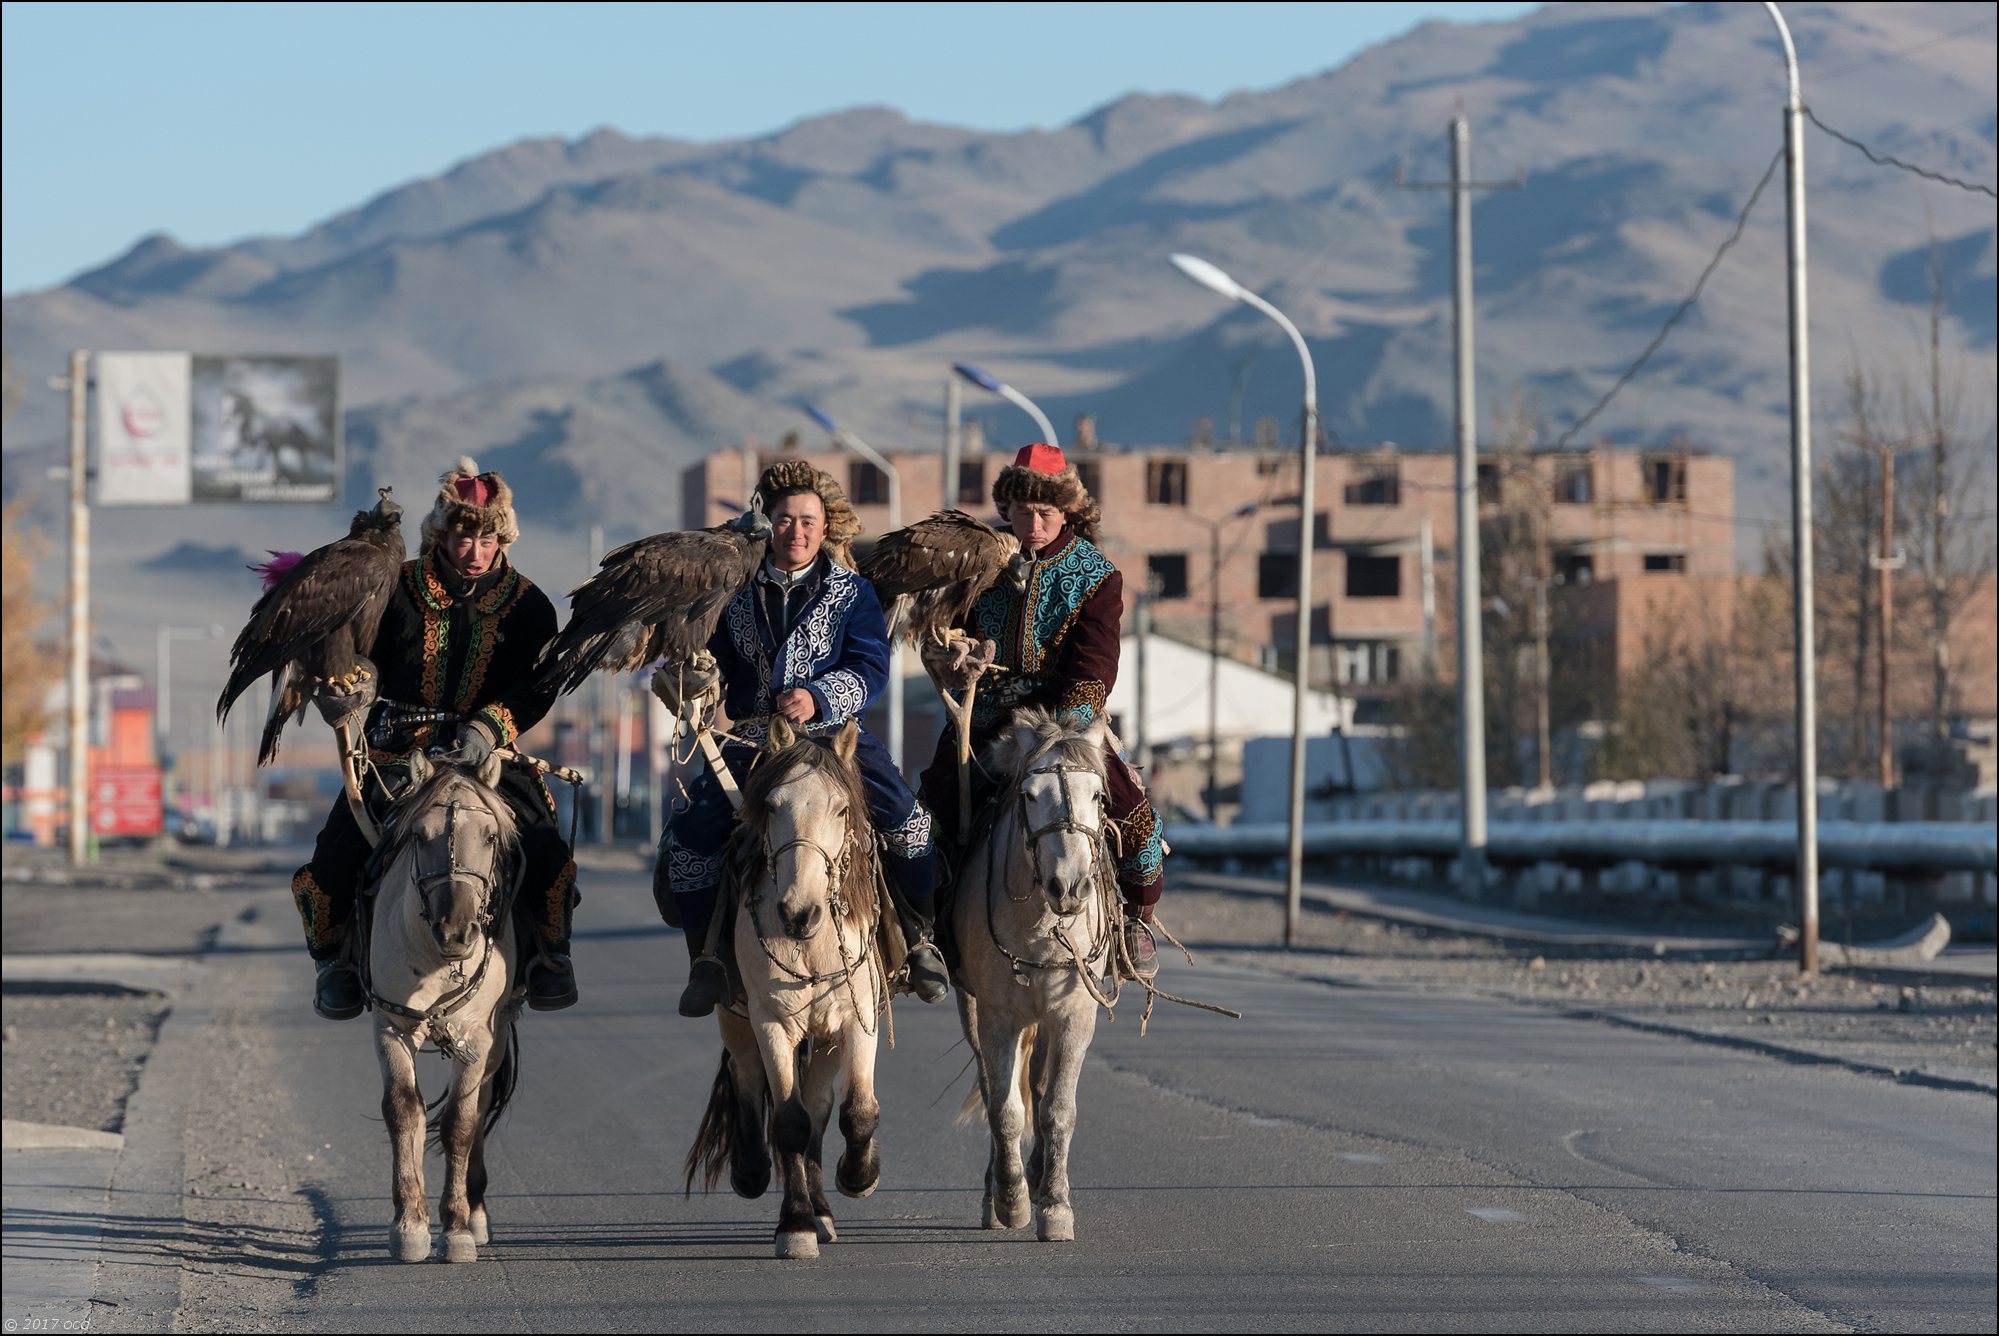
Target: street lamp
x=1801, y=515
x=1214, y=528
x=869, y=453
x=992, y=384
x=1212, y=278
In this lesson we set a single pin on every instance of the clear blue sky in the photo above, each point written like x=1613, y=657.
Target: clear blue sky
x=213, y=122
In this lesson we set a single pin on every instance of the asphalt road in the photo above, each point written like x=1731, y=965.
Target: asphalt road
x=1343, y=1158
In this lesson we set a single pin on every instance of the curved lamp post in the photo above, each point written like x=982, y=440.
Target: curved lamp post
x=1212, y=278
x=1801, y=515
x=992, y=384
x=860, y=447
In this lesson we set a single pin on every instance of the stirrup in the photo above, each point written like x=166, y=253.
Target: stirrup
x=707, y=986
x=336, y=990
x=933, y=984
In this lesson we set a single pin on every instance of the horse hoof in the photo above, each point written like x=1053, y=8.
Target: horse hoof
x=482, y=1229
x=1057, y=1225
x=410, y=1244
x=862, y=1183
x=824, y=1224
x=460, y=1246
x=797, y=1245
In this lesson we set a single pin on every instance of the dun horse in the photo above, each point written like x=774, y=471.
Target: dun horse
x=441, y=969
x=1034, y=917
x=800, y=871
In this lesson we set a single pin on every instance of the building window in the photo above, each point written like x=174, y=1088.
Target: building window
x=1488, y=484
x=1169, y=574
x=1091, y=475
x=1574, y=568
x=1382, y=488
x=1373, y=577
x=1572, y=484
x=971, y=482
x=1271, y=465
x=1665, y=480
x=1165, y=482
x=1365, y=662
x=1665, y=563
x=1277, y=575
x=866, y=484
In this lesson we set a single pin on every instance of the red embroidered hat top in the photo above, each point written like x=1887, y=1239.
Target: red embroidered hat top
x=1039, y=458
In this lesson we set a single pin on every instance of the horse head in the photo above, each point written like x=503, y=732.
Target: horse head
x=1057, y=775
x=806, y=797
x=460, y=837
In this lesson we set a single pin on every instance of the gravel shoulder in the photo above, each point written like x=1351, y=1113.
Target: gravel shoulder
x=1942, y=1033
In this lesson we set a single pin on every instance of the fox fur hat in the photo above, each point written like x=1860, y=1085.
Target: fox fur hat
x=1042, y=475
x=472, y=504
x=789, y=477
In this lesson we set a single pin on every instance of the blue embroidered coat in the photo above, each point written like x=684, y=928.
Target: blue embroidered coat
x=837, y=650
x=1058, y=637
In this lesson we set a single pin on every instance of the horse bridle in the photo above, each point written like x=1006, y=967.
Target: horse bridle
x=836, y=869
x=425, y=881
x=1067, y=822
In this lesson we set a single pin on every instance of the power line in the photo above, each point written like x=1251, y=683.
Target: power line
x=1888, y=57
x=1884, y=160
x=1741, y=221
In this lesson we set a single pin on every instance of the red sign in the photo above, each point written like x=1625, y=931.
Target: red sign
x=125, y=801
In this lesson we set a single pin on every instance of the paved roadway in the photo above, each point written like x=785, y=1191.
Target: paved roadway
x=1342, y=1159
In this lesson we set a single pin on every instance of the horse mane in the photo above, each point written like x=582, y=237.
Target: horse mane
x=743, y=857
x=399, y=828
x=1038, y=733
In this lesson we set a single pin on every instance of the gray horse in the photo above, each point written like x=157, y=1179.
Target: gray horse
x=1034, y=914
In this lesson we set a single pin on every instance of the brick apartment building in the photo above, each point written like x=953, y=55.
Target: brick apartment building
x=1636, y=536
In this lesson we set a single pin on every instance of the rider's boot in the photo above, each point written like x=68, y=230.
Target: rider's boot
x=1140, y=959
x=708, y=982
x=336, y=993
x=551, y=978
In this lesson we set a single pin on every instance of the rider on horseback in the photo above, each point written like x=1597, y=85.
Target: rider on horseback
x=460, y=636
x=805, y=640
x=1056, y=636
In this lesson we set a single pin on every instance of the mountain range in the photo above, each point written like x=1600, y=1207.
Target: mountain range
x=594, y=315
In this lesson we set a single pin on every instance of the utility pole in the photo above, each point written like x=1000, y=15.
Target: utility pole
x=600, y=733
x=954, y=440
x=1886, y=562
x=1471, y=640
x=79, y=614
x=1142, y=624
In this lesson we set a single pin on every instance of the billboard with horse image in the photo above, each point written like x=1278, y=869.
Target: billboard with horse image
x=266, y=428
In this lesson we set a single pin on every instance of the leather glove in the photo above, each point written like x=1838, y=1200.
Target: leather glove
x=958, y=663
x=337, y=703
x=685, y=687
x=475, y=745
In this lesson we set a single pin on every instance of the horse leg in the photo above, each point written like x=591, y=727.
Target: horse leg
x=860, y=1166
x=402, y=1110
x=821, y=1076
x=1007, y=1204
x=475, y=1176
x=1039, y=1046
x=791, y=1133
x=749, y=1159
x=1055, y=1119
x=461, y=1134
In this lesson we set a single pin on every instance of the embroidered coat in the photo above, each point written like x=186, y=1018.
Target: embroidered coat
x=472, y=653
x=1058, y=638
x=837, y=649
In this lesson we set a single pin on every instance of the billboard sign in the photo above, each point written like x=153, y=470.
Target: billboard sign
x=125, y=801
x=142, y=417
x=175, y=428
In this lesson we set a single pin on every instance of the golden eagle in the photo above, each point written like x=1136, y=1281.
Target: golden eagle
x=657, y=598
x=930, y=573
x=317, y=619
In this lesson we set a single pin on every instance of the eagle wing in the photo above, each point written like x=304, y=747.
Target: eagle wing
x=659, y=597
x=315, y=614
x=933, y=571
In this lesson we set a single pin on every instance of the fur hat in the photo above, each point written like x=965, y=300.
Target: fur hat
x=471, y=503
x=1041, y=475
x=787, y=477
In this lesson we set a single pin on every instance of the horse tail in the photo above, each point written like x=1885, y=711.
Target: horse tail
x=975, y=1102
x=715, y=1140
x=505, y=1080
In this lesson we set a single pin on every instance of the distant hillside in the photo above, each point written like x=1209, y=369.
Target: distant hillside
x=594, y=314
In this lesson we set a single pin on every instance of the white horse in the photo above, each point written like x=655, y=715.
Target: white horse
x=800, y=870
x=1035, y=914
x=442, y=968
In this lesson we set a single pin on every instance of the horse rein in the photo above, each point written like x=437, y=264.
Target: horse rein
x=1097, y=835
